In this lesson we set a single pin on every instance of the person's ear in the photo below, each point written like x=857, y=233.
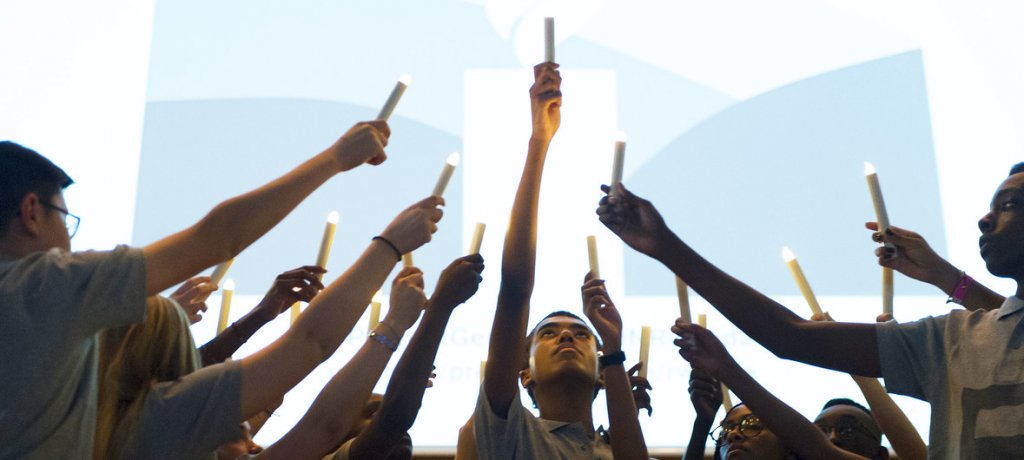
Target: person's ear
x=525, y=378
x=31, y=213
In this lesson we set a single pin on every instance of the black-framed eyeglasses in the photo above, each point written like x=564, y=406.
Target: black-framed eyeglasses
x=847, y=428
x=71, y=221
x=749, y=426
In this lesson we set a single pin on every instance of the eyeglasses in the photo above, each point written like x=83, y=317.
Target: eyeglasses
x=749, y=427
x=847, y=428
x=71, y=221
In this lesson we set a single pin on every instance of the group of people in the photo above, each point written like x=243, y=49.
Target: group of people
x=94, y=363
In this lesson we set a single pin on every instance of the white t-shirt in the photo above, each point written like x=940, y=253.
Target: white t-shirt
x=970, y=367
x=53, y=304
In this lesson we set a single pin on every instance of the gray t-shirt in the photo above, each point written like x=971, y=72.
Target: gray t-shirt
x=188, y=418
x=525, y=436
x=53, y=304
x=970, y=367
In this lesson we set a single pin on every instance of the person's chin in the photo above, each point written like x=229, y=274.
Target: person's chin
x=737, y=453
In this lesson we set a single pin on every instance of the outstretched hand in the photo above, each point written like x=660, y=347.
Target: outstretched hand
x=640, y=387
x=705, y=394
x=298, y=285
x=546, y=100
x=414, y=226
x=407, y=299
x=633, y=219
x=191, y=296
x=458, y=282
x=913, y=257
x=602, y=313
x=362, y=143
x=702, y=349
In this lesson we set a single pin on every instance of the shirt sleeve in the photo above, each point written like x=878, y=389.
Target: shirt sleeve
x=94, y=289
x=912, y=356
x=194, y=415
x=495, y=436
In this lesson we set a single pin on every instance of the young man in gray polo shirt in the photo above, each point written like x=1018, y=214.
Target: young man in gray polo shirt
x=969, y=365
x=53, y=302
x=563, y=370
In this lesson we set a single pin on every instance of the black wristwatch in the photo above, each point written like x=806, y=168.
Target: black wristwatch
x=611, y=359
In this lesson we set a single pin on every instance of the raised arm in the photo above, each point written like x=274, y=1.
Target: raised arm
x=702, y=349
x=627, y=436
x=281, y=294
x=848, y=347
x=706, y=396
x=916, y=259
x=270, y=372
x=508, y=334
x=404, y=395
x=343, y=398
x=236, y=223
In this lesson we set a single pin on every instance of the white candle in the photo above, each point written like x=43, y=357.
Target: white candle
x=726, y=398
x=876, y=199
x=220, y=271
x=327, y=241
x=645, y=350
x=618, y=161
x=702, y=320
x=887, y=290
x=801, y=280
x=407, y=259
x=592, y=252
x=225, y=305
x=549, y=39
x=478, y=238
x=396, y=94
x=375, y=310
x=446, y=174
x=683, y=292
x=295, y=310
x=483, y=369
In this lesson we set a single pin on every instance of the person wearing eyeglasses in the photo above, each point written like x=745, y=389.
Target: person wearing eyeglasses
x=851, y=427
x=54, y=302
x=740, y=435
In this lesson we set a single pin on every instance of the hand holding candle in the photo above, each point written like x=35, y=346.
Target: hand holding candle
x=396, y=94
x=645, y=350
x=225, y=305
x=801, y=281
x=592, y=253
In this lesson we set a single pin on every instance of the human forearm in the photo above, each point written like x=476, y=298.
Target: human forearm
x=905, y=439
x=698, y=438
x=772, y=325
x=404, y=394
x=627, y=436
x=338, y=405
x=795, y=431
x=225, y=344
x=232, y=225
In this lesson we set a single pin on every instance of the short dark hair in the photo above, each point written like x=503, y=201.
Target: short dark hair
x=846, y=402
x=1017, y=168
x=24, y=171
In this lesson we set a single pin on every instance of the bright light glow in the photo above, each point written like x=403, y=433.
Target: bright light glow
x=453, y=159
x=332, y=217
x=229, y=285
x=620, y=136
x=787, y=254
x=405, y=79
x=378, y=297
x=869, y=169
